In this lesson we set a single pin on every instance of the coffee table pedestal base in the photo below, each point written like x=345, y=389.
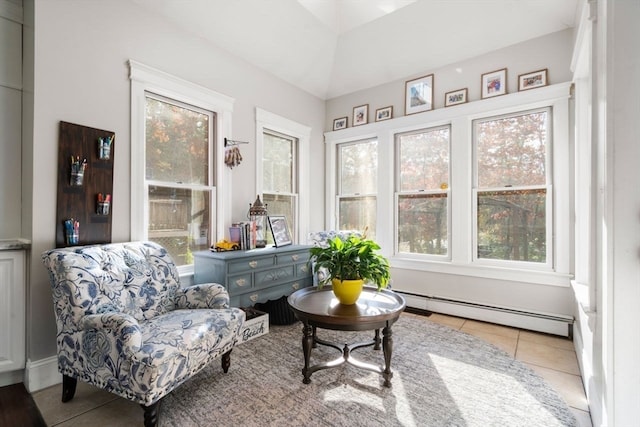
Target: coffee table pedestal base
x=310, y=340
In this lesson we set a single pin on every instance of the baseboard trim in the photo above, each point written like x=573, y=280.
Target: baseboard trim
x=555, y=324
x=42, y=373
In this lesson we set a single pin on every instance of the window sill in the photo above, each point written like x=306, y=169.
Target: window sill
x=549, y=278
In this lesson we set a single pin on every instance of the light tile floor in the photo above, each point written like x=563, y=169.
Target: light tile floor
x=553, y=358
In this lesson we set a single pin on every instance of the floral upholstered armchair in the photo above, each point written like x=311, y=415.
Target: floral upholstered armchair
x=126, y=325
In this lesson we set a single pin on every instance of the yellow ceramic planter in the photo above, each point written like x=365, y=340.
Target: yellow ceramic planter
x=347, y=291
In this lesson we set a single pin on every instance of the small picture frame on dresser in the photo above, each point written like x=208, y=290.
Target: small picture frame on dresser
x=280, y=231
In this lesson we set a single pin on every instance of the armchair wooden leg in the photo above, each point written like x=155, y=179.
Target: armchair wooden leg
x=151, y=414
x=226, y=361
x=68, y=388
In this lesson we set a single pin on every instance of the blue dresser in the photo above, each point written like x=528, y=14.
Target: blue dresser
x=257, y=275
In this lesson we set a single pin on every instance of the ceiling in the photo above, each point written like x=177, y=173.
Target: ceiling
x=334, y=47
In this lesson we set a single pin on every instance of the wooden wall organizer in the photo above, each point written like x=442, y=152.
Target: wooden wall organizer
x=81, y=202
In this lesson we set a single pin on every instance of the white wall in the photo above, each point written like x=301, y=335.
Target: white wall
x=10, y=122
x=81, y=76
x=552, y=52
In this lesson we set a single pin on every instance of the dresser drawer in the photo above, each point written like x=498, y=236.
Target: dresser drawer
x=250, y=264
x=292, y=258
x=266, y=294
x=240, y=283
x=274, y=276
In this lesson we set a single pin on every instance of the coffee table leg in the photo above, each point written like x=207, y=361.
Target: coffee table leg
x=307, y=344
x=376, y=340
x=387, y=345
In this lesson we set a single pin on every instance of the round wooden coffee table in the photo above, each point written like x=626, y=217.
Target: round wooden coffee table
x=374, y=310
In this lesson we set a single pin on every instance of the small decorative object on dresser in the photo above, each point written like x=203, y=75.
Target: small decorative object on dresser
x=532, y=80
x=418, y=95
x=280, y=231
x=361, y=115
x=340, y=123
x=494, y=83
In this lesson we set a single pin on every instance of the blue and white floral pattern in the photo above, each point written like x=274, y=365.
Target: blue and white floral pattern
x=126, y=325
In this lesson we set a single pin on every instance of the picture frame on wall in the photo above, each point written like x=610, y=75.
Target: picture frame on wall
x=532, y=80
x=456, y=97
x=384, y=113
x=418, y=95
x=340, y=123
x=279, y=230
x=494, y=83
x=361, y=115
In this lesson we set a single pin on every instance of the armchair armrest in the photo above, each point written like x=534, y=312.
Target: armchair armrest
x=122, y=327
x=207, y=295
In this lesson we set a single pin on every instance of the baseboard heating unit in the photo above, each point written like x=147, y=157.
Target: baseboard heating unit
x=542, y=322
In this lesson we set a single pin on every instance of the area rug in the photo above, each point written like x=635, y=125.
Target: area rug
x=441, y=377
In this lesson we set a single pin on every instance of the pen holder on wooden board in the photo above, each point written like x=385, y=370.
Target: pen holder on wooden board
x=104, y=147
x=77, y=171
x=71, y=231
x=104, y=204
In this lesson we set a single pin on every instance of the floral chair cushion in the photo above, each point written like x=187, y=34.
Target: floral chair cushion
x=126, y=325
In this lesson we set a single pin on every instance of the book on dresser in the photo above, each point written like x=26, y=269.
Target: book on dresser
x=256, y=275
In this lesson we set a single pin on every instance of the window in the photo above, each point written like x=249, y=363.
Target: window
x=177, y=193
x=512, y=187
x=279, y=177
x=357, y=186
x=422, y=182
x=178, y=176
x=479, y=190
x=282, y=177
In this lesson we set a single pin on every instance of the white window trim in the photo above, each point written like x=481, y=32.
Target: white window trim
x=267, y=121
x=460, y=117
x=147, y=79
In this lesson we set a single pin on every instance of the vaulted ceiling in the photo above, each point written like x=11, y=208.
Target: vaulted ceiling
x=334, y=47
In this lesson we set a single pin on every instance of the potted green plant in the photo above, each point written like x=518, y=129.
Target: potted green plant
x=348, y=264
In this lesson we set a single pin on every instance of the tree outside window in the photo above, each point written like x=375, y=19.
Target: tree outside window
x=513, y=186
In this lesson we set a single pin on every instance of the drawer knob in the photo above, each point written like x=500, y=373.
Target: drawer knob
x=241, y=282
x=304, y=269
x=253, y=297
x=253, y=264
x=295, y=257
x=295, y=286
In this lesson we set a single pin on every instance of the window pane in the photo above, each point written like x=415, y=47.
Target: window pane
x=422, y=224
x=358, y=213
x=278, y=167
x=177, y=143
x=179, y=221
x=359, y=168
x=511, y=151
x=424, y=160
x=278, y=204
x=512, y=225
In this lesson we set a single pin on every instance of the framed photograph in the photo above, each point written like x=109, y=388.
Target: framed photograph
x=384, y=113
x=455, y=97
x=361, y=115
x=340, y=123
x=280, y=231
x=418, y=95
x=494, y=83
x=532, y=80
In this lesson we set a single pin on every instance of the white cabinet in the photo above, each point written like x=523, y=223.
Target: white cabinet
x=12, y=310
